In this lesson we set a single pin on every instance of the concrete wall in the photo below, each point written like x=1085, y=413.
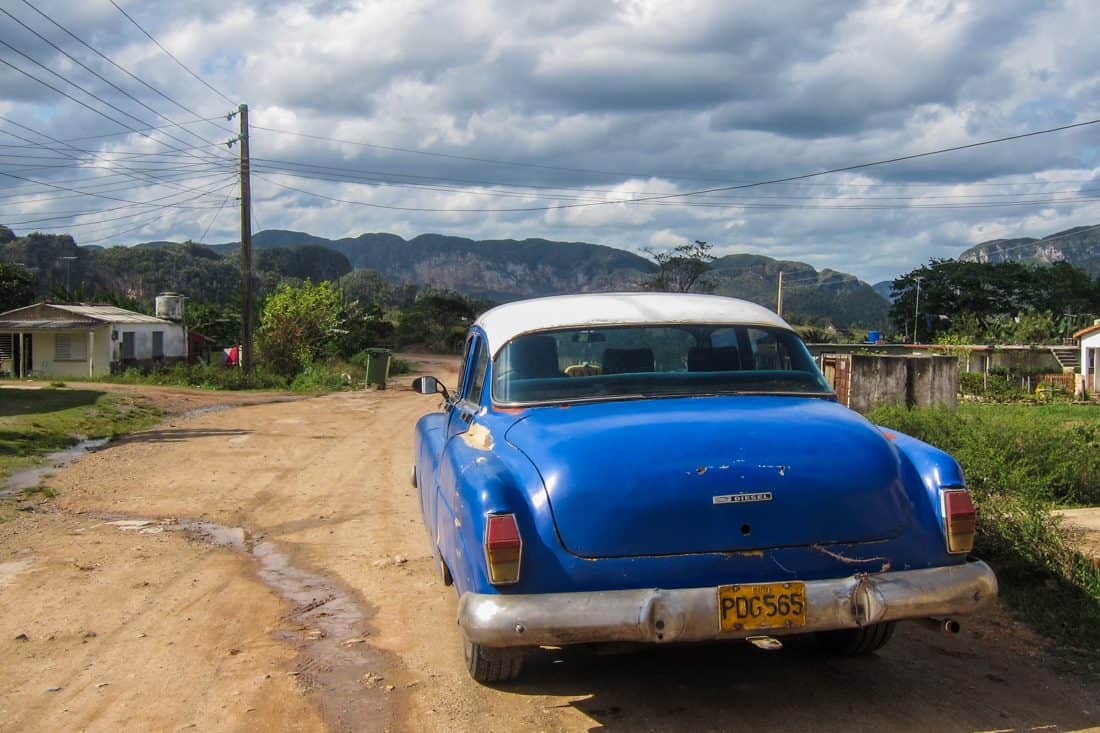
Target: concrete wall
x=971, y=359
x=915, y=381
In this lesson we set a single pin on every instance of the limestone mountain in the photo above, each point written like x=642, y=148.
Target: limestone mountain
x=1079, y=246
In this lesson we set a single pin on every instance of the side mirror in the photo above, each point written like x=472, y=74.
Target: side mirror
x=429, y=385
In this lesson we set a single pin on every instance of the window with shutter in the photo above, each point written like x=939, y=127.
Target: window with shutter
x=70, y=347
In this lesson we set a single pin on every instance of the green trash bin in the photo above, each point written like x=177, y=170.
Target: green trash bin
x=378, y=367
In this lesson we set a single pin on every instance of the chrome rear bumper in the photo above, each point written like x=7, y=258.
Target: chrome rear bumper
x=691, y=614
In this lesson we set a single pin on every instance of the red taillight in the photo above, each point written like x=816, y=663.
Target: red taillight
x=960, y=520
x=503, y=548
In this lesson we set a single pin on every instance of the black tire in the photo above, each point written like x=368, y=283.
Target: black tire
x=852, y=642
x=490, y=665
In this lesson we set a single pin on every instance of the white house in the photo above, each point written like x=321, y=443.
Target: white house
x=1089, y=338
x=53, y=340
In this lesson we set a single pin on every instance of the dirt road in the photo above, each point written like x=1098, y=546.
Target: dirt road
x=133, y=604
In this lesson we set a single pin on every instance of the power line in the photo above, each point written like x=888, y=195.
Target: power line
x=137, y=176
x=169, y=54
x=123, y=69
x=81, y=103
x=66, y=215
x=629, y=174
x=214, y=218
x=736, y=202
x=102, y=78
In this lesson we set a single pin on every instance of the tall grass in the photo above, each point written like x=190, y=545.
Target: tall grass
x=1020, y=463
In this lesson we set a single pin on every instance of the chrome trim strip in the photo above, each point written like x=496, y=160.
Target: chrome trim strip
x=691, y=614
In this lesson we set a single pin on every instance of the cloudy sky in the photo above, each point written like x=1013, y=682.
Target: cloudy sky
x=511, y=120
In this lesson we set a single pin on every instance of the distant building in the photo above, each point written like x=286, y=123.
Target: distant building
x=52, y=340
x=1089, y=339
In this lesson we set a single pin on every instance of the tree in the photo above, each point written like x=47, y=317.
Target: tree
x=438, y=321
x=681, y=269
x=977, y=301
x=298, y=323
x=16, y=287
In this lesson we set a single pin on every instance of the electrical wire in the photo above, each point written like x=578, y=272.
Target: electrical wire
x=628, y=174
x=67, y=215
x=170, y=55
x=102, y=78
x=214, y=218
x=123, y=69
x=81, y=103
x=357, y=178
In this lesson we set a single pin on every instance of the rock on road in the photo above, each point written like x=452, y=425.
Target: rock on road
x=326, y=612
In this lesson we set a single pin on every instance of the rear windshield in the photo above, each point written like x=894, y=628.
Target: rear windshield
x=645, y=361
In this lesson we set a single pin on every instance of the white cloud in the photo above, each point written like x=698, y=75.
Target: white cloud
x=604, y=101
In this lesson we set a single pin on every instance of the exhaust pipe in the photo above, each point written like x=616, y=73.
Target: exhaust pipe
x=943, y=625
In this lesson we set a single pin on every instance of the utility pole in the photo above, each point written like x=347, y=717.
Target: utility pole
x=68, y=290
x=246, y=244
x=916, y=310
x=779, y=297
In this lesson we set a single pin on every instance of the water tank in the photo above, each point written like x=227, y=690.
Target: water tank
x=170, y=306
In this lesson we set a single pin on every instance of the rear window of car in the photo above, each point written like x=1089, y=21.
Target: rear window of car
x=652, y=361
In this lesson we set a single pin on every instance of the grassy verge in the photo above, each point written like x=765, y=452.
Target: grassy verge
x=331, y=375
x=36, y=422
x=1020, y=463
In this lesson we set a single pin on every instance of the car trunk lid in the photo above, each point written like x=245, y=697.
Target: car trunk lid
x=712, y=474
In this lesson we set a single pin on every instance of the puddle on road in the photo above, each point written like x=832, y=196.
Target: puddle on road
x=31, y=477
x=328, y=627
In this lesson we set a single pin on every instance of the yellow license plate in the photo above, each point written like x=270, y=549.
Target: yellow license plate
x=761, y=606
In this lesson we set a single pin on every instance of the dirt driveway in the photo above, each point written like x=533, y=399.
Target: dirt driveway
x=264, y=568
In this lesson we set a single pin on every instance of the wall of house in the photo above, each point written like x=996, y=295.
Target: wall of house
x=175, y=341
x=44, y=354
x=1090, y=362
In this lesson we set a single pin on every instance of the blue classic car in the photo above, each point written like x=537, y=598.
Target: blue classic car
x=659, y=468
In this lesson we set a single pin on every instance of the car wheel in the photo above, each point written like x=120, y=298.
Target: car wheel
x=490, y=664
x=864, y=640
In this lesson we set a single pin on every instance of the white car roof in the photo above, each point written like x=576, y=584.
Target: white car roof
x=505, y=322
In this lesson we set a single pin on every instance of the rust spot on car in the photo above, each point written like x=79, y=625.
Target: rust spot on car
x=478, y=437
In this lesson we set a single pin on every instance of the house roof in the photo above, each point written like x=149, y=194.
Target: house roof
x=505, y=322
x=57, y=316
x=1087, y=331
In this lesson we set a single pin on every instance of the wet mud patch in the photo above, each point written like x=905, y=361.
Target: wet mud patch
x=52, y=463
x=356, y=686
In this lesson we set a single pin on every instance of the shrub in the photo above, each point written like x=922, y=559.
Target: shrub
x=328, y=377
x=1019, y=462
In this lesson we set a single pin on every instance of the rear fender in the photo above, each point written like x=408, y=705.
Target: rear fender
x=474, y=483
x=926, y=470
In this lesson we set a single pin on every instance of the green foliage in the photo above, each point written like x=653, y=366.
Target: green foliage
x=205, y=376
x=36, y=422
x=324, y=377
x=1048, y=453
x=438, y=322
x=297, y=325
x=362, y=327
x=681, y=269
x=309, y=262
x=1019, y=461
x=1003, y=302
x=368, y=286
x=220, y=323
x=16, y=287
